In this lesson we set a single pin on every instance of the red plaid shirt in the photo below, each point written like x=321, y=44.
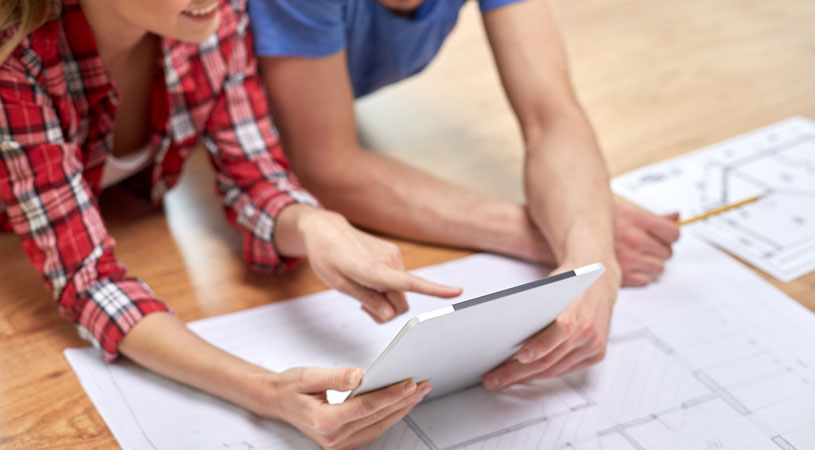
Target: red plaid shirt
x=57, y=109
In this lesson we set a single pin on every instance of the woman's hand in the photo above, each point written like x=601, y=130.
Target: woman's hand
x=160, y=342
x=298, y=397
x=351, y=261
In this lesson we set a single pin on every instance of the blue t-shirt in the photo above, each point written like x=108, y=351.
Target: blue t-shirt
x=382, y=47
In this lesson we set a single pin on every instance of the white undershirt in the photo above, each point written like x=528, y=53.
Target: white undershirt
x=119, y=168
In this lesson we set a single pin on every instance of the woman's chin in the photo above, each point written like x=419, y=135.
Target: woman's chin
x=195, y=29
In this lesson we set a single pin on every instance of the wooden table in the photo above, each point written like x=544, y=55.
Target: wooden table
x=657, y=78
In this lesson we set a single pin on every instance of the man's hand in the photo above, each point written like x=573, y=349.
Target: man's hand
x=642, y=242
x=299, y=399
x=353, y=262
x=576, y=339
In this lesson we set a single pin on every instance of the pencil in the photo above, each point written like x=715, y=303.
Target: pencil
x=720, y=210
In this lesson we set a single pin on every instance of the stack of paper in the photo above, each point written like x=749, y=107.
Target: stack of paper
x=708, y=357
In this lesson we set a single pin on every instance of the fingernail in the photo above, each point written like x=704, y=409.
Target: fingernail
x=385, y=313
x=425, y=390
x=492, y=382
x=526, y=356
x=409, y=387
x=353, y=377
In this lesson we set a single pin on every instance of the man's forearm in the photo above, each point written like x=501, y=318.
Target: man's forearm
x=382, y=194
x=567, y=185
x=312, y=101
x=566, y=181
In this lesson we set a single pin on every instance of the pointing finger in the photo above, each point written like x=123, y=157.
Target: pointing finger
x=386, y=279
x=373, y=301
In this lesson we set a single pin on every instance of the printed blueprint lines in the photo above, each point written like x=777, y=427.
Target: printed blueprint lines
x=639, y=376
x=661, y=388
x=776, y=163
x=709, y=356
x=789, y=178
x=476, y=415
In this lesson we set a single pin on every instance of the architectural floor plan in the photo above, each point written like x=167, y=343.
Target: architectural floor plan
x=777, y=163
x=708, y=357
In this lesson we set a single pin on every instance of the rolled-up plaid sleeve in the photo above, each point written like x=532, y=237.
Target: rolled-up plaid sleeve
x=51, y=208
x=253, y=176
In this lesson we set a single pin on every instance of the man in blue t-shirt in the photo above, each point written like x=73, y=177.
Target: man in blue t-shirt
x=318, y=55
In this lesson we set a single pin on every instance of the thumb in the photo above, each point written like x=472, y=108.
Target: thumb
x=674, y=216
x=316, y=380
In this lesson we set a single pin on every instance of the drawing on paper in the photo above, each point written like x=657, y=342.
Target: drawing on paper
x=777, y=163
x=725, y=361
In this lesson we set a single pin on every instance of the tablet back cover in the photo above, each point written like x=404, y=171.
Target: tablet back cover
x=454, y=346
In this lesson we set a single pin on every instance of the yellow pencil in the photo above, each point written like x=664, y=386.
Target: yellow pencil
x=720, y=210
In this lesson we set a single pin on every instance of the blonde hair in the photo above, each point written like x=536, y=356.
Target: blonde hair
x=26, y=15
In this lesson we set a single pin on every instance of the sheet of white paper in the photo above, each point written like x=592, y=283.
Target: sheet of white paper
x=775, y=234
x=710, y=356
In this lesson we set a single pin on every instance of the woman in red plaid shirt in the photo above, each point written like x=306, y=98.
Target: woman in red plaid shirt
x=93, y=91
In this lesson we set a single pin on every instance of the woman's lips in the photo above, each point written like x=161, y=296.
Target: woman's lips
x=204, y=13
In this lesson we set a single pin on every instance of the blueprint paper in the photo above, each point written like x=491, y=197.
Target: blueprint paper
x=775, y=234
x=710, y=356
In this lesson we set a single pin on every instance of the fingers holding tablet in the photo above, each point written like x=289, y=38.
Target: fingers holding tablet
x=368, y=427
x=577, y=338
x=301, y=401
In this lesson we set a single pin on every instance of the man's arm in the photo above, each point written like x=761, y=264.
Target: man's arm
x=566, y=180
x=534, y=70
x=566, y=183
x=312, y=103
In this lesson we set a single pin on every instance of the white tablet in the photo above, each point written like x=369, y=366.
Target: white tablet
x=453, y=347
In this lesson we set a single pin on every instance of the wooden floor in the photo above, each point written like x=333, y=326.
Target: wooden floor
x=657, y=78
